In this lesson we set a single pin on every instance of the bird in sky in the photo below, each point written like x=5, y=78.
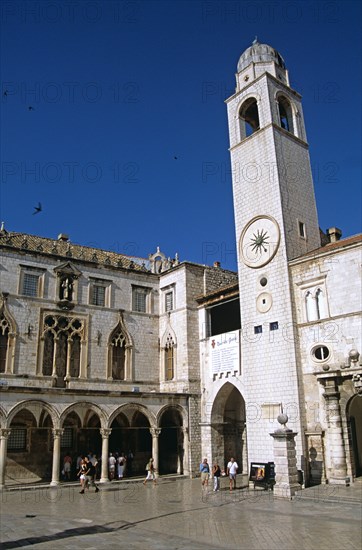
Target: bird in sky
x=37, y=208
x=31, y=108
x=175, y=158
x=5, y=93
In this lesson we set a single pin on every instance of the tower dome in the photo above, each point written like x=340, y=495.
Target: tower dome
x=257, y=53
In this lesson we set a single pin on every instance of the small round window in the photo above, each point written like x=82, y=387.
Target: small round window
x=321, y=353
x=263, y=281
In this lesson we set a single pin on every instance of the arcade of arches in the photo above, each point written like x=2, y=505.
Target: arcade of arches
x=37, y=438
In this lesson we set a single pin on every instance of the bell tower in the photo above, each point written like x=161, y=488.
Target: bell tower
x=276, y=221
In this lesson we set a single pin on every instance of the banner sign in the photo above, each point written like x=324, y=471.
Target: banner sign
x=225, y=352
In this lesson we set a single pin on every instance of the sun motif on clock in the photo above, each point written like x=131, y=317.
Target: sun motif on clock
x=259, y=241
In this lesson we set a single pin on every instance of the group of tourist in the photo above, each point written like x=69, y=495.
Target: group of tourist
x=71, y=466
x=231, y=471
x=118, y=463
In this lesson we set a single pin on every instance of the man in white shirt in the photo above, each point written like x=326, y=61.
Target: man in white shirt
x=232, y=470
x=111, y=466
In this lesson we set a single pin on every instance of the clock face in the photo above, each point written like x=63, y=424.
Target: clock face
x=259, y=241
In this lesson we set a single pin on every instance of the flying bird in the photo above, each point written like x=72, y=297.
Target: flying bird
x=37, y=209
x=5, y=93
x=31, y=108
x=175, y=158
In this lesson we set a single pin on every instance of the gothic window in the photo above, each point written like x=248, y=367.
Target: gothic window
x=320, y=304
x=169, y=358
x=4, y=339
x=119, y=352
x=118, y=356
x=7, y=337
x=310, y=307
x=315, y=303
x=62, y=346
x=249, y=118
x=285, y=114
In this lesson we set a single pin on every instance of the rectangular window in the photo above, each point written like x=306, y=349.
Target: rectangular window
x=17, y=440
x=99, y=292
x=274, y=325
x=66, y=441
x=301, y=227
x=169, y=301
x=258, y=329
x=30, y=284
x=140, y=299
x=99, y=295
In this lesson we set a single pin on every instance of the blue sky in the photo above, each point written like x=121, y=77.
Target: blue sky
x=117, y=90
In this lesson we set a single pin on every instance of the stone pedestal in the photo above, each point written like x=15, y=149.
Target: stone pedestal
x=285, y=461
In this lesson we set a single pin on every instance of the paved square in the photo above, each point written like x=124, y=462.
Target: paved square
x=176, y=514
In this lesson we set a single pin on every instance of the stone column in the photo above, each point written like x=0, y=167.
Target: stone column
x=105, y=433
x=285, y=461
x=186, y=448
x=4, y=436
x=155, y=432
x=57, y=434
x=338, y=470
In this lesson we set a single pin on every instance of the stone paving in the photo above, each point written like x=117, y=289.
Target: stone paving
x=177, y=514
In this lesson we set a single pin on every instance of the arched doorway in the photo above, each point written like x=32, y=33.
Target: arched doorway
x=141, y=442
x=355, y=424
x=171, y=447
x=30, y=447
x=228, y=428
x=119, y=440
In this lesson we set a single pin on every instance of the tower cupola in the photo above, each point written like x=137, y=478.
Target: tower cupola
x=258, y=59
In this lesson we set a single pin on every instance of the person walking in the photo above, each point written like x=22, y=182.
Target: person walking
x=205, y=473
x=121, y=465
x=67, y=466
x=232, y=470
x=83, y=477
x=216, y=472
x=91, y=474
x=111, y=466
x=151, y=473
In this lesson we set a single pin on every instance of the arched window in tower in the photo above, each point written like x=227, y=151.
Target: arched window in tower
x=249, y=118
x=118, y=355
x=310, y=307
x=285, y=114
x=4, y=340
x=169, y=358
x=320, y=304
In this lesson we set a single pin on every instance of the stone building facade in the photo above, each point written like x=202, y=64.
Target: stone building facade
x=99, y=352
x=106, y=353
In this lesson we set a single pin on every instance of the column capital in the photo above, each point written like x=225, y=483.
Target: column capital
x=105, y=432
x=57, y=432
x=155, y=432
x=5, y=432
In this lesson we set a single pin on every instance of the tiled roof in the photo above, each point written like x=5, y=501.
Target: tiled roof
x=331, y=247
x=69, y=250
x=225, y=290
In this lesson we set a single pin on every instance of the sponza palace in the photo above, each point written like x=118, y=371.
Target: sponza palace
x=102, y=352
